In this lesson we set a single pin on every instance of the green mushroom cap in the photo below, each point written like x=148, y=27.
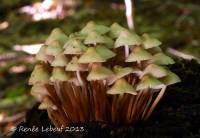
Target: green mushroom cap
x=95, y=38
x=121, y=86
x=162, y=59
x=56, y=35
x=41, y=55
x=105, y=52
x=99, y=72
x=127, y=39
x=39, y=75
x=60, y=61
x=73, y=65
x=59, y=74
x=150, y=42
x=171, y=78
x=155, y=71
x=149, y=82
x=54, y=48
x=74, y=47
x=90, y=56
x=92, y=27
x=115, y=30
x=138, y=54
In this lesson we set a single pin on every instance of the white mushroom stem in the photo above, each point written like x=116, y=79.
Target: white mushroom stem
x=126, y=48
x=129, y=14
x=79, y=78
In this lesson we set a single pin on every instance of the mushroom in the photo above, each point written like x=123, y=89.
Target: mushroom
x=47, y=103
x=95, y=38
x=41, y=55
x=39, y=75
x=171, y=78
x=59, y=74
x=127, y=40
x=74, y=47
x=56, y=35
x=162, y=59
x=121, y=86
x=104, y=52
x=138, y=54
x=115, y=30
x=155, y=71
x=73, y=65
x=92, y=27
x=60, y=61
x=99, y=72
x=150, y=42
x=54, y=48
x=119, y=73
x=148, y=81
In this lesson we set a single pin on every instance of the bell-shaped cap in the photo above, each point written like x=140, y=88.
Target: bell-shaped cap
x=115, y=30
x=59, y=74
x=121, y=86
x=41, y=55
x=105, y=52
x=120, y=72
x=46, y=104
x=127, y=39
x=54, y=48
x=155, y=71
x=99, y=72
x=38, y=91
x=93, y=27
x=59, y=61
x=162, y=59
x=56, y=35
x=74, y=47
x=73, y=65
x=39, y=75
x=90, y=56
x=138, y=54
x=171, y=78
x=95, y=38
x=150, y=42
x=148, y=81
x=137, y=71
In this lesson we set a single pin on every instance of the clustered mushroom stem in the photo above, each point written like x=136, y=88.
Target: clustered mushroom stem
x=79, y=78
x=158, y=98
x=126, y=50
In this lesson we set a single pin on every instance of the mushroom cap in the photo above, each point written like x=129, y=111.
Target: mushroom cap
x=99, y=72
x=162, y=59
x=120, y=72
x=74, y=46
x=73, y=65
x=150, y=42
x=54, y=48
x=127, y=38
x=39, y=75
x=171, y=78
x=121, y=86
x=148, y=81
x=47, y=103
x=92, y=27
x=95, y=38
x=90, y=56
x=105, y=52
x=155, y=71
x=56, y=35
x=38, y=91
x=41, y=55
x=59, y=74
x=59, y=61
x=138, y=54
x=154, y=50
x=115, y=30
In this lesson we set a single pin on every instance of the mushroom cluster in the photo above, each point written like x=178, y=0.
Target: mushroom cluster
x=101, y=74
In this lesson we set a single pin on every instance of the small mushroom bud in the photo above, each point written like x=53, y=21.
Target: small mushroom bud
x=150, y=42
